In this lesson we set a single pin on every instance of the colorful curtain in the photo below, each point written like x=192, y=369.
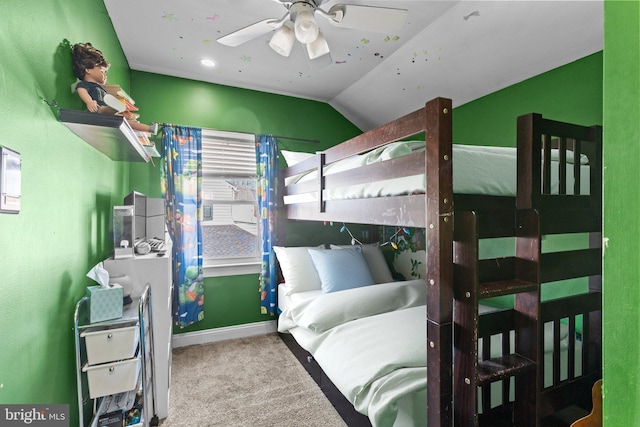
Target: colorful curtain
x=181, y=180
x=267, y=170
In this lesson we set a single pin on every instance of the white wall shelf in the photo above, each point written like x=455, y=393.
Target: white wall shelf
x=111, y=135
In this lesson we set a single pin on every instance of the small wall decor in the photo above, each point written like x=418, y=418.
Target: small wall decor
x=10, y=175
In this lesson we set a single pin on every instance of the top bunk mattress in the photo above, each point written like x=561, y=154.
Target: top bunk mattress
x=479, y=170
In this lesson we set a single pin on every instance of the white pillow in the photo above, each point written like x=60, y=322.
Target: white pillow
x=297, y=268
x=375, y=260
x=341, y=270
x=293, y=157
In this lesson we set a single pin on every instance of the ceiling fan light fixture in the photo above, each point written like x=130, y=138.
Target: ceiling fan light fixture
x=306, y=28
x=283, y=39
x=318, y=47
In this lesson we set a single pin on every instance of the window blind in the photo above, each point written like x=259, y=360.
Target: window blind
x=228, y=154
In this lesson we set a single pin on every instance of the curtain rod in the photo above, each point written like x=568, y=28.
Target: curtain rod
x=314, y=141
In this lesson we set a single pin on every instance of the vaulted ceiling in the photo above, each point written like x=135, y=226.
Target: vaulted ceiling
x=461, y=50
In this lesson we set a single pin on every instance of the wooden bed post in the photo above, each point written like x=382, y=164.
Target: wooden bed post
x=439, y=237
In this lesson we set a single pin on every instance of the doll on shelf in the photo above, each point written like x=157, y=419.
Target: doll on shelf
x=90, y=67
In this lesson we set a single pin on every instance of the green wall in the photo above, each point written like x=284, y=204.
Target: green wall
x=68, y=189
x=621, y=314
x=571, y=93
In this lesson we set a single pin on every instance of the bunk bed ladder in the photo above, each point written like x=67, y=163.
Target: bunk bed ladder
x=475, y=280
x=528, y=325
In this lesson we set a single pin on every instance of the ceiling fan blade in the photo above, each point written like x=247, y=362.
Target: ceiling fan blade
x=368, y=18
x=250, y=32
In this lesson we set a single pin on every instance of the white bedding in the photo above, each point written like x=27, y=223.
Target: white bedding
x=392, y=367
x=361, y=339
x=476, y=170
x=371, y=343
x=321, y=312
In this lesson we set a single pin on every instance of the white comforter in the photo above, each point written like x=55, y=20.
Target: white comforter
x=370, y=341
x=476, y=170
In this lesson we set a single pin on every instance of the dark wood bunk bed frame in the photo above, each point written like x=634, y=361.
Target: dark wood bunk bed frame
x=457, y=280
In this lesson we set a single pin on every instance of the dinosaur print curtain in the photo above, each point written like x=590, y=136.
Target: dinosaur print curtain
x=181, y=180
x=267, y=177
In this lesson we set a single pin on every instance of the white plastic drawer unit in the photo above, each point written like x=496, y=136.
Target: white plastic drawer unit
x=112, y=378
x=110, y=345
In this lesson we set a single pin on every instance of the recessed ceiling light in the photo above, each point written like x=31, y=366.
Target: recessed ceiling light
x=207, y=62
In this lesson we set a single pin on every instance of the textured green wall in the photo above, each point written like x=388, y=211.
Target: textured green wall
x=621, y=377
x=68, y=189
x=571, y=93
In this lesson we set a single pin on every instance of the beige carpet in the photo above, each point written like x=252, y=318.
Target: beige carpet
x=225, y=384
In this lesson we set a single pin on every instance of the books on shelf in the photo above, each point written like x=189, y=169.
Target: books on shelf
x=124, y=97
x=148, y=145
x=129, y=103
x=144, y=138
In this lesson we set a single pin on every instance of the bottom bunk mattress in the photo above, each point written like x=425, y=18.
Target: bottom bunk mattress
x=371, y=343
x=368, y=342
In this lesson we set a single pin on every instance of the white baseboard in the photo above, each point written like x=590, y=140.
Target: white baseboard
x=222, y=334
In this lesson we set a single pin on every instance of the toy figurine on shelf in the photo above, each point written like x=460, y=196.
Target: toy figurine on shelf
x=90, y=67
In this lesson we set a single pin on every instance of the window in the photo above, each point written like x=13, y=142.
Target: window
x=230, y=238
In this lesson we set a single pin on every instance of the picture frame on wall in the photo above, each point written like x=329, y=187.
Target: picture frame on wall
x=10, y=180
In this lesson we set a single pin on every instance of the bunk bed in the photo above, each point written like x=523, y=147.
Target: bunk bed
x=558, y=191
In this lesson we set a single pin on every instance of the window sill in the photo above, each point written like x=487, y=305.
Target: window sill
x=230, y=268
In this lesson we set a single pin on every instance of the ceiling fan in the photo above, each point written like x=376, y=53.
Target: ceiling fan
x=299, y=23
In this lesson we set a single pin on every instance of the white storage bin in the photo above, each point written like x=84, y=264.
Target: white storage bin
x=112, y=378
x=110, y=345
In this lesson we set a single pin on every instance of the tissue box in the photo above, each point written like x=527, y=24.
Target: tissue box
x=104, y=303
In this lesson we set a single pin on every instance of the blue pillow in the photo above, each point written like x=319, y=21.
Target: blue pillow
x=341, y=270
